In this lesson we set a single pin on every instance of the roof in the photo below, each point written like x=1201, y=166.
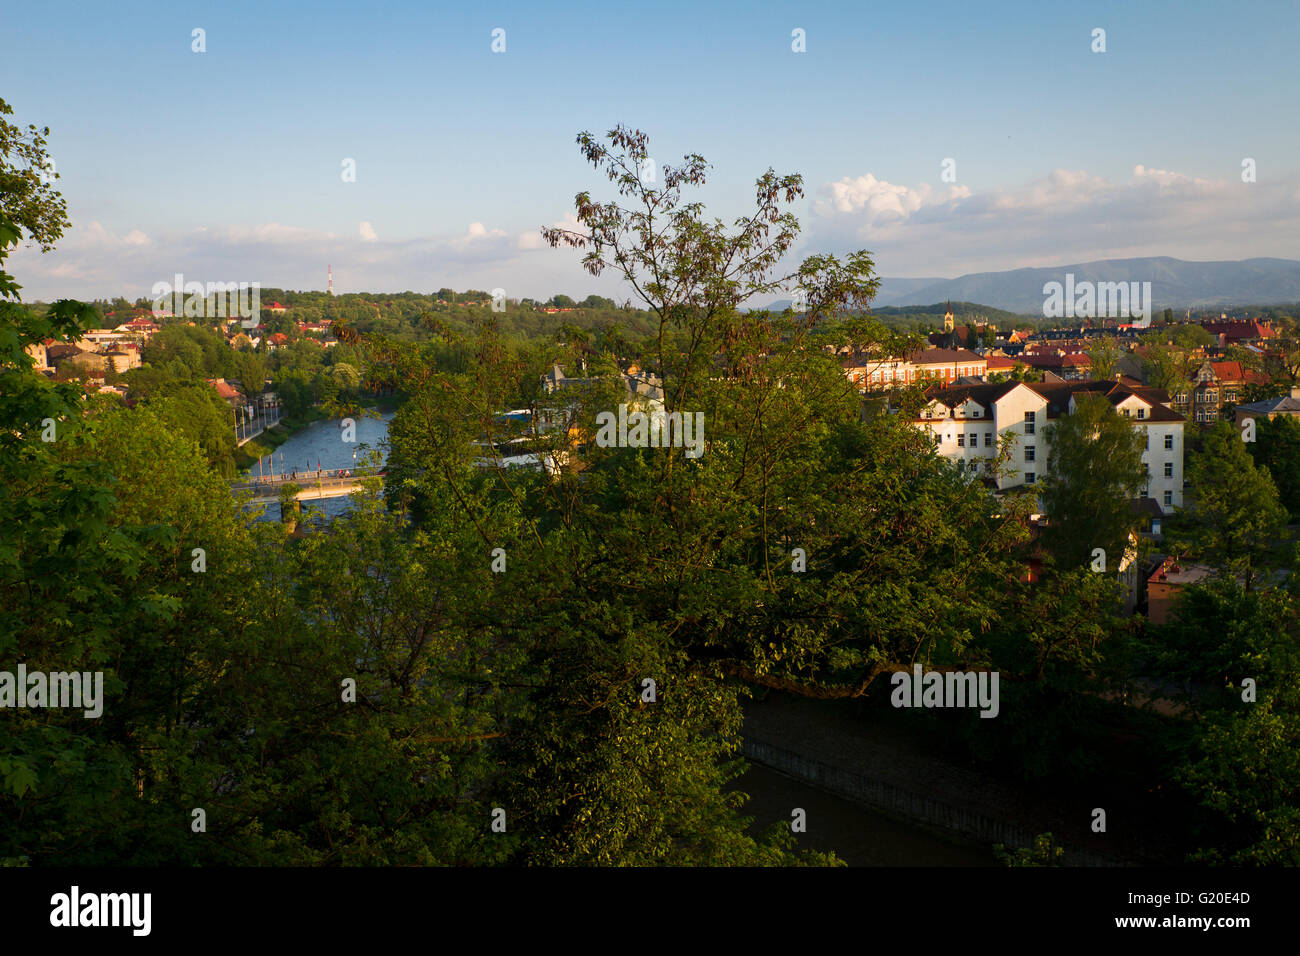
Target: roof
x=1146, y=506
x=941, y=356
x=1284, y=404
x=223, y=388
x=1172, y=571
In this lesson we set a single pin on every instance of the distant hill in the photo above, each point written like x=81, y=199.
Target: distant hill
x=962, y=312
x=1175, y=283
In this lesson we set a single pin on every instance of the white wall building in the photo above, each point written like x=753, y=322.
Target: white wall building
x=969, y=422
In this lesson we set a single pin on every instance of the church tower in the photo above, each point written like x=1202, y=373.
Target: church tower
x=948, y=323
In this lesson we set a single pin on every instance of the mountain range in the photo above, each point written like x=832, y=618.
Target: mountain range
x=1175, y=283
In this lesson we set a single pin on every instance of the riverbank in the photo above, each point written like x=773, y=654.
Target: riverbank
x=880, y=765
x=247, y=455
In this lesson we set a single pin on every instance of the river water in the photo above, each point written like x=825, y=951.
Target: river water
x=321, y=445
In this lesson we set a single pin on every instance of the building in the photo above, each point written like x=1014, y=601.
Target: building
x=875, y=371
x=37, y=351
x=1213, y=390
x=968, y=424
x=1236, y=331
x=1272, y=407
x=1065, y=365
x=1165, y=583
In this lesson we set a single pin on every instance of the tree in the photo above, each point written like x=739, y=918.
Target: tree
x=1234, y=512
x=1104, y=354
x=28, y=201
x=1094, y=470
x=1189, y=336
x=1277, y=449
x=1163, y=368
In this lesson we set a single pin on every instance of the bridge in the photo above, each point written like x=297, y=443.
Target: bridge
x=312, y=485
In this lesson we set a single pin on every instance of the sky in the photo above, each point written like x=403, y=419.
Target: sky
x=945, y=138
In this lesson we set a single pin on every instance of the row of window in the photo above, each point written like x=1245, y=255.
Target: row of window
x=974, y=440
x=1169, y=442
x=1169, y=469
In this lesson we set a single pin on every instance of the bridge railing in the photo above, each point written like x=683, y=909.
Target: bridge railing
x=306, y=480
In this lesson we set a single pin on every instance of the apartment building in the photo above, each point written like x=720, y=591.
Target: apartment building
x=874, y=371
x=968, y=423
x=1214, y=389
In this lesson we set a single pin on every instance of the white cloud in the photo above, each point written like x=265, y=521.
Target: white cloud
x=1067, y=215
x=368, y=233
x=876, y=200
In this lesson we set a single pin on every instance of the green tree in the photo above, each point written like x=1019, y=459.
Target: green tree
x=1104, y=355
x=28, y=200
x=1094, y=470
x=1277, y=449
x=1234, y=513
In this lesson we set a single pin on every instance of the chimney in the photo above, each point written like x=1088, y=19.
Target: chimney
x=1295, y=392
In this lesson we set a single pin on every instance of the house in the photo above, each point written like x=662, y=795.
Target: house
x=226, y=391
x=276, y=341
x=1213, y=390
x=968, y=423
x=275, y=308
x=1237, y=331
x=37, y=351
x=139, y=326
x=124, y=359
x=1067, y=365
x=1270, y=408
x=1165, y=583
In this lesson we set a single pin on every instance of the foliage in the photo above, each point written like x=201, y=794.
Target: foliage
x=1094, y=471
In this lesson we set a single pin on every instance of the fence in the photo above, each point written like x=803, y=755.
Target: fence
x=910, y=805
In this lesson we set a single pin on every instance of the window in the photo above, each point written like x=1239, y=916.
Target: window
x=974, y=439
x=1029, y=422
x=961, y=439
x=1169, y=469
x=1029, y=453
x=1169, y=499
x=961, y=465
x=1146, y=469
x=1030, y=478
x=1169, y=441
x=1146, y=442
x=988, y=440
x=1142, y=413
x=1182, y=398
x=975, y=413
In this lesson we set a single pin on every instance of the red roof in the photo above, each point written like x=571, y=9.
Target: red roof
x=223, y=389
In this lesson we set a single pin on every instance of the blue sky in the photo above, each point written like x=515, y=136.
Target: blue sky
x=225, y=165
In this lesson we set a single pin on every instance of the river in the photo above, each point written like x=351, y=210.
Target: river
x=321, y=445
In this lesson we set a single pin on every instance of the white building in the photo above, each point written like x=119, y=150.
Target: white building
x=969, y=422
